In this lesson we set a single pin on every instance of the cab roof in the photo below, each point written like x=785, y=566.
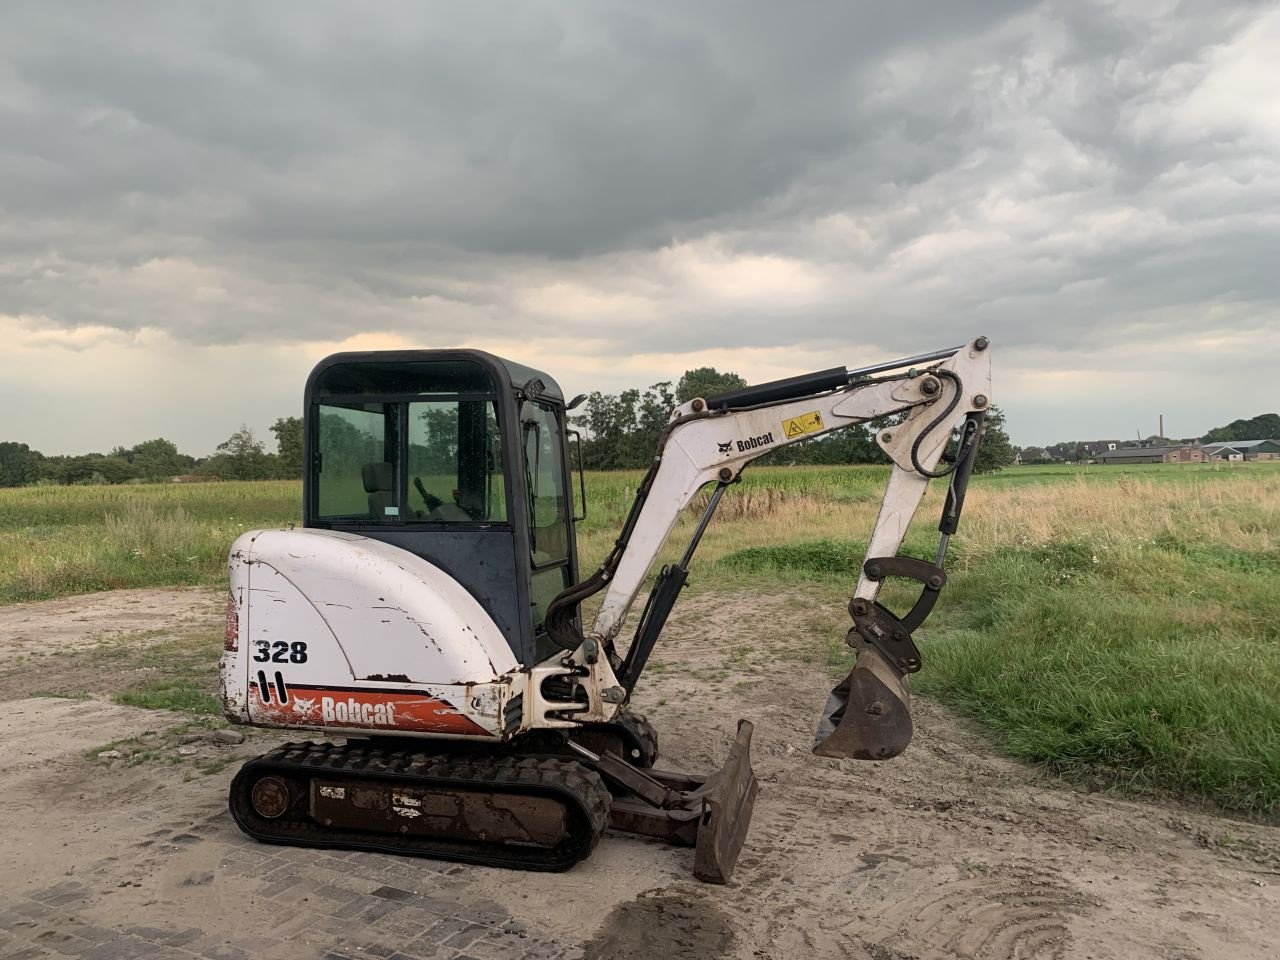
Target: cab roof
x=426, y=371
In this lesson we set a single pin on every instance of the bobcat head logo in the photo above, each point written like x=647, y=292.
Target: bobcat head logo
x=725, y=447
x=303, y=707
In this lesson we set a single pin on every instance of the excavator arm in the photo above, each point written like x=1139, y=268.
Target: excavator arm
x=711, y=441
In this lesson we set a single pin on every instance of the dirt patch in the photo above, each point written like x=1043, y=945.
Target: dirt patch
x=48, y=733
x=76, y=623
x=948, y=851
x=94, y=645
x=671, y=927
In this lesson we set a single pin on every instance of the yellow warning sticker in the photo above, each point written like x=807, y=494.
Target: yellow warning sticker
x=799, y=426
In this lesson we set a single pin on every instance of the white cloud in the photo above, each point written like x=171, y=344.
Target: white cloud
x=619, y=193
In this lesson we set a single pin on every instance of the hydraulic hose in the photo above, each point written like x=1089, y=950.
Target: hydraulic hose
x=915, y=447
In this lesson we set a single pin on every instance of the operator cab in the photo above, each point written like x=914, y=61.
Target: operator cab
x=457, y=456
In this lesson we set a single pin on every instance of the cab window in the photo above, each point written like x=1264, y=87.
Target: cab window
x=455, y=462
x=437, y=461
x=357, y=478
x=546, y=503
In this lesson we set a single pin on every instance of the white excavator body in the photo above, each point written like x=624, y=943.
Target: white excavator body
x=340, y=633
x=428, y=613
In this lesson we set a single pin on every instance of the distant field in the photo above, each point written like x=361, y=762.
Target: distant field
x=1120, y=622
x=63, y=540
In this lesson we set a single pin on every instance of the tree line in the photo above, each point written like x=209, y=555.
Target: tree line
x=1265, y=426
x=619, y=431
x=242, y=456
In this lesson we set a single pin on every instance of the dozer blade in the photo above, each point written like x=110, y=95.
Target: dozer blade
x=727, y=804
x=710, y=814
x=868, y=715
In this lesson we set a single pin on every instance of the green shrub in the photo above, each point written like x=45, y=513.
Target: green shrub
x=817, y=558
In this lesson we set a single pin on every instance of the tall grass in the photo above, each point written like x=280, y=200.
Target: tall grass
x=56, y=541
x=1132, y=631
x=1116, y=621
x=1128, y=629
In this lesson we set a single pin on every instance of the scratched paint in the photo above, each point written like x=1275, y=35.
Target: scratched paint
x=363, y=710
x=384, y=612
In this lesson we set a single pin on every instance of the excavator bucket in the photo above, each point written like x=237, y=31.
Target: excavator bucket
x=868, y=715
x=710, y=814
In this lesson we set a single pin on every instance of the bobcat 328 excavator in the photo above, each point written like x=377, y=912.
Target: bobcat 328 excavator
x=427, y=612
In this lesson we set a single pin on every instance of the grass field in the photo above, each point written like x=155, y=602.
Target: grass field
x=1121, y=622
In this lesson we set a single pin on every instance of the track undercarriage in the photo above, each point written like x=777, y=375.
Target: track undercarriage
x=541, y=804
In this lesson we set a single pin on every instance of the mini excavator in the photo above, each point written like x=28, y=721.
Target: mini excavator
x=427, y=615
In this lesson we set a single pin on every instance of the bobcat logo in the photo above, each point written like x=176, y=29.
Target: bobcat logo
x=725, y=447
x=303, y=707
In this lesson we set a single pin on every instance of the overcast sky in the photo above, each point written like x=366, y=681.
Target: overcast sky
x=199, y=202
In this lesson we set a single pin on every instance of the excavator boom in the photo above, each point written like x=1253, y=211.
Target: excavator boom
x=711, y=440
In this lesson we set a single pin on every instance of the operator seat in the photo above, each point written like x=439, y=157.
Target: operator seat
x=378, y=485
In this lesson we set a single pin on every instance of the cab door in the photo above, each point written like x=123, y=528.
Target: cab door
x=547, y=504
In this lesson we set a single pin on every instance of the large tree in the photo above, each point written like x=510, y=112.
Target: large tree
x=1265, y=426
x=158, y=459
x=996, y=450
x=288, y=431
x=19, y=464
x=622, y=429
x=706, y=382
x=242, y=456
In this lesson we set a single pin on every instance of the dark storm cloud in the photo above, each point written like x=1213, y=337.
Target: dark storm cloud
x=504, y=128
x=245, y=172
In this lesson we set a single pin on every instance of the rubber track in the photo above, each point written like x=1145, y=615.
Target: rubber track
x=581, y=790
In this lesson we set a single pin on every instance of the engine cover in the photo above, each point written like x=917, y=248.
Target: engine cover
x=333, y=631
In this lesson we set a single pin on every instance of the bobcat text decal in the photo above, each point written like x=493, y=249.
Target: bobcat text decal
x=752, y=443
x=352, y=710
x=366, y=709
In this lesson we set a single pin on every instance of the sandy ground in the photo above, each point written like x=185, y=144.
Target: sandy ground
x=948, y=851
x=77, y=623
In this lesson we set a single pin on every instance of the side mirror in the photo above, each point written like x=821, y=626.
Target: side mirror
x=582, y=477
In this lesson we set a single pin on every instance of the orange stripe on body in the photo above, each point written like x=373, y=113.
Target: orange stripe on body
x=367, y=709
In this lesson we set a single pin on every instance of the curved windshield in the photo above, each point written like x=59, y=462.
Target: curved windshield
x=455, y=462
x=436, y=461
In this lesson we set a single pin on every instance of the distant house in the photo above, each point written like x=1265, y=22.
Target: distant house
x=1221, y=451
x=1096, y=448
x=1243, y=450
x=1180, y=453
